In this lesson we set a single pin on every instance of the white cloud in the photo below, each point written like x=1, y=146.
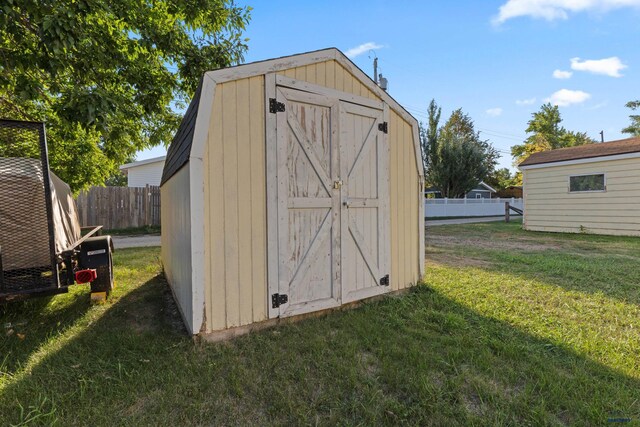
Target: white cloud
x=556, y=9
x=528, y=101
x=566, y=97
x=607, y=66
x=359, y=50
x=561, y=74
x=494, y=112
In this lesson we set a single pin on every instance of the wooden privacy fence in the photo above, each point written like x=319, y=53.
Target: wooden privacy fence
x=119, y=207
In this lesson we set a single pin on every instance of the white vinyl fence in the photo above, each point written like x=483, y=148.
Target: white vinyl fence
x=434, y=208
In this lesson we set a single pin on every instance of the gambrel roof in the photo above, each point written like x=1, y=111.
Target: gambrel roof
x=180, y=149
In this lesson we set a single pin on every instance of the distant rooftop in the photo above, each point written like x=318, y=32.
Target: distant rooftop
x=603, y=149
x=143, y=162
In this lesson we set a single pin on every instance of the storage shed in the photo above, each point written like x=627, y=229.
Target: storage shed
x=591, y=188
x=293, y=185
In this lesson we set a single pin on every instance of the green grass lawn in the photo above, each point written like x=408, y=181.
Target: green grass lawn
x=511, y=328
x=133, y=231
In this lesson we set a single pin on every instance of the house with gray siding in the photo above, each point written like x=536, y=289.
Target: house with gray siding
x=481, y=191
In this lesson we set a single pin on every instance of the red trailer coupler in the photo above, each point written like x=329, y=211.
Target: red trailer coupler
x=86, y=276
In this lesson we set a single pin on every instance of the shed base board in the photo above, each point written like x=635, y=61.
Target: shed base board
x=227, y=334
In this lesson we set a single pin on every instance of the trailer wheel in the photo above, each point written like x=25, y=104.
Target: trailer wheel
x=104, y=279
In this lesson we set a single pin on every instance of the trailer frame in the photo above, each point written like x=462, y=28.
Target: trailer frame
x=55, y=278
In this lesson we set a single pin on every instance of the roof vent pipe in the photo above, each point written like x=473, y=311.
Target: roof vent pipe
x=382, y=82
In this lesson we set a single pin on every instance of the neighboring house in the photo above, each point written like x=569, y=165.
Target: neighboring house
x=144, y=172
x=592, y=188
x=482, y=191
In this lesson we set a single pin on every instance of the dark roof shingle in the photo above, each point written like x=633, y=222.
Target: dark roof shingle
x=180, y=148
x=622, y=146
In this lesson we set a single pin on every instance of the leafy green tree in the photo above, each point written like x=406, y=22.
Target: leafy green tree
x=461, y=124
x=107, y=76
x=460, y=163
x=118, y=178
x=517, y=178
x=634, y=127
x=501, y=179
x=429, y=135
x=547, y=134
x=457, y=158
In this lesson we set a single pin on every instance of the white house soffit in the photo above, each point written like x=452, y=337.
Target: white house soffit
x=143, y=162
x=488, y=187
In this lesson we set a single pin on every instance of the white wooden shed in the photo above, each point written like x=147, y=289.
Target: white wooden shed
x=293, y=185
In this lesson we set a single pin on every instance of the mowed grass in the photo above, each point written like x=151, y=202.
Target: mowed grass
x=511, y=328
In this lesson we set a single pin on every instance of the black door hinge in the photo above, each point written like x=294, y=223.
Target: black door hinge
x=384, y=127
x=278, y=299
x=384, y=281
x=275, y=106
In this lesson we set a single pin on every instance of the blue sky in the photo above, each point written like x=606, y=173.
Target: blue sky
x=497, y=60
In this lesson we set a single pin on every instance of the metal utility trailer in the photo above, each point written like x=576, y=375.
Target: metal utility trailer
x=43, y=249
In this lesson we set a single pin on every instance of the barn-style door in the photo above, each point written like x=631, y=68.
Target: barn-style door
x=364, y=167
x=328, y=212
x=308, y=202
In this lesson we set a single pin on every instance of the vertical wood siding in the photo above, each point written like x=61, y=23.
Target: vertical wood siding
x=404, y=183
x=237, y=283
x=236, y=196
x=176, y=242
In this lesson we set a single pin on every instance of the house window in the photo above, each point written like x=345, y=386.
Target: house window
x=593, y=182
x=478, y=196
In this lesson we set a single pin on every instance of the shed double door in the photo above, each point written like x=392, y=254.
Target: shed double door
x=332, y=200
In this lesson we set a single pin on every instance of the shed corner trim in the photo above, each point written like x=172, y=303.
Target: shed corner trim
x=197, y=198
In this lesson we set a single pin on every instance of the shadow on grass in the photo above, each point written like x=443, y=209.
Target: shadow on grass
x=420, y=358
x=27, y=325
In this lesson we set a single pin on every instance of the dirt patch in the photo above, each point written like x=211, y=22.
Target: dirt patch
x=369, y=363
x=438, y=379
x=512, y=391
x=608, y=255
x=139, y=405
x=564, y=418
x=443, y=258
x=141, y=319
x=170, y=309
x=473, y=403
x=490, y=243
x=143, y=313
